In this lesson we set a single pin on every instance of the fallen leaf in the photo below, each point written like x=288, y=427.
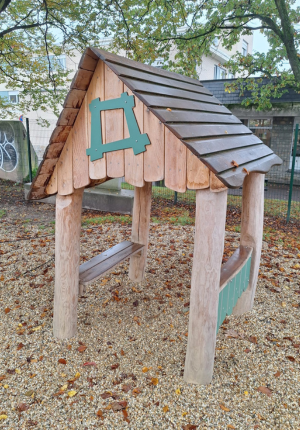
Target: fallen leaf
x=184, y=414
x=3, y=417
x=89, y=363
x=245, y=170
x=230, y=426
x=234, y=163
x=126, y=388
x=36, y=328
x=7, y=310
x=145, y=369
x=18, y=371
x=122, y=352
x=118, y=406
x=289, y=357
x=189, y=427
x=166, y=408
x=265, y=390
x=178, y=391
x=154, y=381
x=232, y=334
x=224, y=408
x=81, y=348
x=170, y=110
x=29, y=393
x=100, y=414
x=62, y=361
x=136, y=391
x=22, y=407
x=277, y=374
x=106, y=394
x=253, y=339
x=72, y=393
x=114, y=366
x=64, y=387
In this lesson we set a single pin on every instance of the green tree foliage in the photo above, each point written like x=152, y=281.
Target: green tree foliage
x=179, y=31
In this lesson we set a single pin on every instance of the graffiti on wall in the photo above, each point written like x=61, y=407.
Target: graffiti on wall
x=8, y=153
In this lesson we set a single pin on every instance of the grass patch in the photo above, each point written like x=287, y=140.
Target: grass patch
x=107, y=219
x=2, y=213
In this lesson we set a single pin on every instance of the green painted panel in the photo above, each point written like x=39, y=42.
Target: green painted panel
x=230, y=294
x=136, y=141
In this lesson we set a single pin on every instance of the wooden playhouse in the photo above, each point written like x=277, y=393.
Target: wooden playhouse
x=122, y=118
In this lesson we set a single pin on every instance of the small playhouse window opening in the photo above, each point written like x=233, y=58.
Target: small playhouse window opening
x=177, y=133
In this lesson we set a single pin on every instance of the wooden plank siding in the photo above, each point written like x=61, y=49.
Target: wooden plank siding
x=154, y=157
x=97, y=168
x=80, y=144
x=175, y=162
x=134, y=164
x=114, y=125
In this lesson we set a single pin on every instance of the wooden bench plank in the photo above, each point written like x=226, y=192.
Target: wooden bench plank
x=97, y=266
x=234, y=264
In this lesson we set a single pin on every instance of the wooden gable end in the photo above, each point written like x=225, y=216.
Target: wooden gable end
x=165, y=158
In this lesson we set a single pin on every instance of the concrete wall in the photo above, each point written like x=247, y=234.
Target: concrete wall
x=14, y=164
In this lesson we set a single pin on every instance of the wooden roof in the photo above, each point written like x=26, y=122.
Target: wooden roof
x=192, y=114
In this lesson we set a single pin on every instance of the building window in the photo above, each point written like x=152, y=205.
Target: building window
x=159, y=62
x=57, y=62
x=245, y=48
x=230, y=75
x=219, y=73
x=262, y=128
x=13, y=97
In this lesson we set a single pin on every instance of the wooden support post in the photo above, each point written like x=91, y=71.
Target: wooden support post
x=67, y=253
x=251, y=234
x=140, y=230
x=208, y=251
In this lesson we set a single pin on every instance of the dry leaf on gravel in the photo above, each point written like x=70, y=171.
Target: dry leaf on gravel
x=265, y=390
x=189, y=427
x=224, y=408
x=81, y=348
x=22, y=407
x=166, y=408
x=118, y=406
x=62, y=361
x=100, y=414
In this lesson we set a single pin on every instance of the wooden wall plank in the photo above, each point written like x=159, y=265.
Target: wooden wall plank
x=97, y=169
x=197, y=174
x=80, y=145
x=154, y=157
x=175, y=162
x=134, y=164
x=65, y=168
x=215, y=184
x=114, y=125
x=52, y=184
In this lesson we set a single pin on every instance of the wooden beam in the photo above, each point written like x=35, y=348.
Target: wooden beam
x=67, y=253
x=208, y=252
x=140, y=230
x=251, y=234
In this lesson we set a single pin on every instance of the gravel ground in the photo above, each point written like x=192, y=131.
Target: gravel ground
x=125, y=367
